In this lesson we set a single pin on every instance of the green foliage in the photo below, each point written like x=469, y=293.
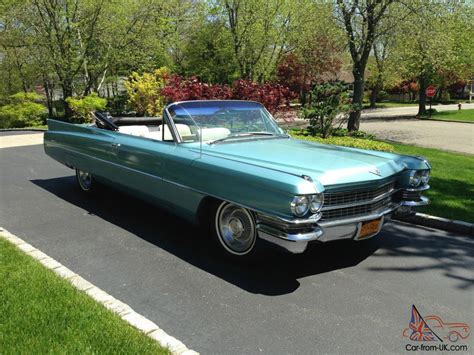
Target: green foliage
x=20, y=111
x=82, y=107
x=347, y=141
x=144, y=91
x=328, y=101
x=209, y=54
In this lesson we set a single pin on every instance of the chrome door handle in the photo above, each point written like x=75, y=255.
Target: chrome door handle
x=116, y=145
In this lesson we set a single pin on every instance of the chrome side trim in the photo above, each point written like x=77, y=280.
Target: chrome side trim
x=362, y=202
x=382, y=212
x=423, y=201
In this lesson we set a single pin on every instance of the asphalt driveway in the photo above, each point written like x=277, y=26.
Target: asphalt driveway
x=343, y=297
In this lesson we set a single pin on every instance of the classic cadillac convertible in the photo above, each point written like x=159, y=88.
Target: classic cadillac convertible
x=228, y=165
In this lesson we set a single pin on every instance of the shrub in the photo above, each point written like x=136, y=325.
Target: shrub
x=82, y=107
x=20, y=111
x=145, y=91
x=328, y=101
x=272, y=96
x=179, y=89
x=360, y=143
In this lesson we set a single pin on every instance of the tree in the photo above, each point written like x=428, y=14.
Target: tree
x=329, y=100
x=437, y=46
x=362, y=22
x=381, y=67
x=208, y=54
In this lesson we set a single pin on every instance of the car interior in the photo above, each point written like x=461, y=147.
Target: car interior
x=153, y=128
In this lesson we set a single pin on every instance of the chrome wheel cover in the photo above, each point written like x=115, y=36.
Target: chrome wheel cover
x=235, y=228
x=84, y=179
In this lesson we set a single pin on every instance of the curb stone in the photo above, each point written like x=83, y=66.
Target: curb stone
x=449, y=225
x=23, y=129
x=123, y=310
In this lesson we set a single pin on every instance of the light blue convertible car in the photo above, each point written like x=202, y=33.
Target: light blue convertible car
x=227, y=165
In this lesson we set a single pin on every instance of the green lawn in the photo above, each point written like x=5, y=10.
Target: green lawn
x=452, y=182
x=458, y=115
x=41, y=313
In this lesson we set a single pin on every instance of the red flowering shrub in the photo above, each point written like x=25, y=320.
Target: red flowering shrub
x=272, y=96
x=179, y=89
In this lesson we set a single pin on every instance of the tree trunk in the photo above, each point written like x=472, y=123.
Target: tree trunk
x=357, y=99
x=373, y=97
x=67, y=92
x=49, y=98
x=422, y=84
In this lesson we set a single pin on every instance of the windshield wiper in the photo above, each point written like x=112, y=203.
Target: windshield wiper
x=239, y=135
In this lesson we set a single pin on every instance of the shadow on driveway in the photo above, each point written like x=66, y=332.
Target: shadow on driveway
x=277, y=272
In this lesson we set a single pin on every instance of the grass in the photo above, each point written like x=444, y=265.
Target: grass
x=459, y=115
x=387, y=104
x=452, y=182
x=42, y=313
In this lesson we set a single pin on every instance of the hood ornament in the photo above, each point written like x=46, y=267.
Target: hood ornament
x=375, y=171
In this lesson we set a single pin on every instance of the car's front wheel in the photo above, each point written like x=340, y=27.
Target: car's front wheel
x=85, y=180
x=235, y=230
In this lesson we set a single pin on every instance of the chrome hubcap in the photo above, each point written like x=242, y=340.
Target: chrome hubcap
x=236, y=228
x=85, y=179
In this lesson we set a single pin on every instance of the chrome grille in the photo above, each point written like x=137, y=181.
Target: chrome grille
x=341, y=198
x=354, y=203
x=355, y=210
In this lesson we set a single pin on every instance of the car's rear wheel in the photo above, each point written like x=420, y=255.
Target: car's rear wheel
x=85, y=180
x=453, y=336
x=234, y=229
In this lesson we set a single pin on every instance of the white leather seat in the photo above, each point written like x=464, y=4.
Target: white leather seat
x=140, y=131
x=183, y=130
x=155, y=132
x=210, y=134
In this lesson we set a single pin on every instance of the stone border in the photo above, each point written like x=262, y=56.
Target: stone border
x=449, y=225
x=23, y=129
x=123, y=310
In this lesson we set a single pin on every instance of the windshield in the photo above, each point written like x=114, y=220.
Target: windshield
x=217, y=121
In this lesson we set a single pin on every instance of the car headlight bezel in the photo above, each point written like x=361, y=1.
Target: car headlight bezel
x=316, y=202
x=300, y=205
x=425, y=177
x=415, y=178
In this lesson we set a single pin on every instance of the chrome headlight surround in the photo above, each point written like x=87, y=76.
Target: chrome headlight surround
x=316, y=203
x=425, y=177
x=300, y=205
x=419, y=177
x=415, y=178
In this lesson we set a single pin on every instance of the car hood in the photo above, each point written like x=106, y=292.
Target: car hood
x=328, y=164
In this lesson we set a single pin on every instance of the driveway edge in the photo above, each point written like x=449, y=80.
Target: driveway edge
x=123, y=310
x=449, y=225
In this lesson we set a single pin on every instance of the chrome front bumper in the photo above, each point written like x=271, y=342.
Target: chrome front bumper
x=289, y=235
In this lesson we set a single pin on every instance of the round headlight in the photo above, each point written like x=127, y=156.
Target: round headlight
x=300, y=205
x=415, y=178
x=425, y=177
x=316, y=202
